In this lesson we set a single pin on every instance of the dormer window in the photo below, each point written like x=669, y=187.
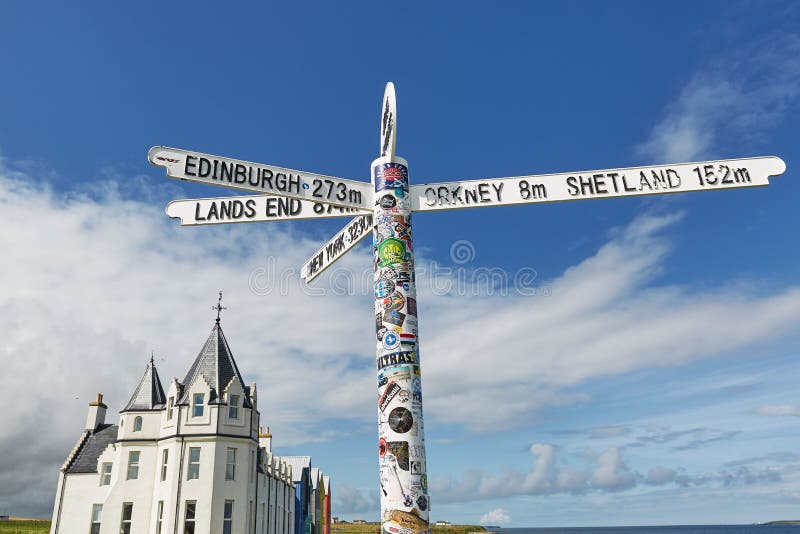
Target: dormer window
x=197, y=405
x=137, y=423
x=233, y=407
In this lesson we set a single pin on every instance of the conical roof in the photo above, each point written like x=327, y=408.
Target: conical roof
x=216, y=365
x=148, y=395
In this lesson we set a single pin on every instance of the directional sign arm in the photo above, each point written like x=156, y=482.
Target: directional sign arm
x=252, y=208
x=261, y=178
x=632, y=181
x=345, y=239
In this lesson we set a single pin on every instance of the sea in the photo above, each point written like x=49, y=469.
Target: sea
x=678, y=529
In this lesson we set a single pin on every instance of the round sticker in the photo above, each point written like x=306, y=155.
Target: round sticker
x=400, y=420
x=393, y=302
x=390, y=340
x=391, y=251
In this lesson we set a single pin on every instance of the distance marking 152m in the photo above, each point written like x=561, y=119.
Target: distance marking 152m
x=261, y=178
x=631, y=181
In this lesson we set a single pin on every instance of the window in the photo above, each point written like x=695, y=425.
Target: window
x=137, y=423
x=230, y=464
x=193, y=470
x=160, y=516
x=133, y=465
x=188, y=517
x=233, y=407
x=164, y=460
x=127, y=516
x=198, y=405
x=227, y=518
x=170, y=404
x=97, y=512
x=105, y=478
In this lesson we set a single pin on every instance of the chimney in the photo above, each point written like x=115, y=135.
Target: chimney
x=97, y=413
x=265, y=439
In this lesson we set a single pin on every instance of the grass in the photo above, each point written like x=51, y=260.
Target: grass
x=373, y=528
x=25, y=526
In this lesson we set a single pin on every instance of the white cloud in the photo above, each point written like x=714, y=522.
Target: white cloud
x=784, y=409
x=551, y=474
x=497, y=516
x=612, y=474
x=742, y=95
x=350, y=500
x=604, y=316
x=660, y=475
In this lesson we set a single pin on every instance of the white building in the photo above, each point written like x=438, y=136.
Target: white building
x=191, y=461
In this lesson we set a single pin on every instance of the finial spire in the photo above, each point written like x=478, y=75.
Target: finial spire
x=219, y=307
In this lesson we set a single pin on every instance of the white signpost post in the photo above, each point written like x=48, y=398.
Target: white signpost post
x=385, y=207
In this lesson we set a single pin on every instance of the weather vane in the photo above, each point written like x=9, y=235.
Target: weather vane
x=219, y=307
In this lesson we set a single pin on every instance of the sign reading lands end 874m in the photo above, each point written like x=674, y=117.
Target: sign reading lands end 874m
x=632, y=181
x=261, y=178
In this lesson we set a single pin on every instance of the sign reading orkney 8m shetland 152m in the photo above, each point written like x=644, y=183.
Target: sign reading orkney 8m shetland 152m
x=632, y=181
x=385, y=207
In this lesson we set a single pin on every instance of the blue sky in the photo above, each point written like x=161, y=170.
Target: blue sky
x=650, y=378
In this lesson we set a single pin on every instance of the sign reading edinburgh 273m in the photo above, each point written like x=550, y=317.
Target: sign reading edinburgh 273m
x=385, y=208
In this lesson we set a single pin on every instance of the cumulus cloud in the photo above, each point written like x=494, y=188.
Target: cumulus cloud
x=740, y=95
x=552, y=475
x=612, y=474
x=660, y=475
x=497, y=516
x=545, y=478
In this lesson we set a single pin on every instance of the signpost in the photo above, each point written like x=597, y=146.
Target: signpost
x=385, y=206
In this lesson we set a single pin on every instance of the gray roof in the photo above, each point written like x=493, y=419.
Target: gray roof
x=314, y=477
x=216, y=365
x=86, y=459
x=148, y=395
x=297, y=463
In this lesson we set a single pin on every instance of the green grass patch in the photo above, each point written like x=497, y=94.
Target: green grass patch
x=25, y=526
